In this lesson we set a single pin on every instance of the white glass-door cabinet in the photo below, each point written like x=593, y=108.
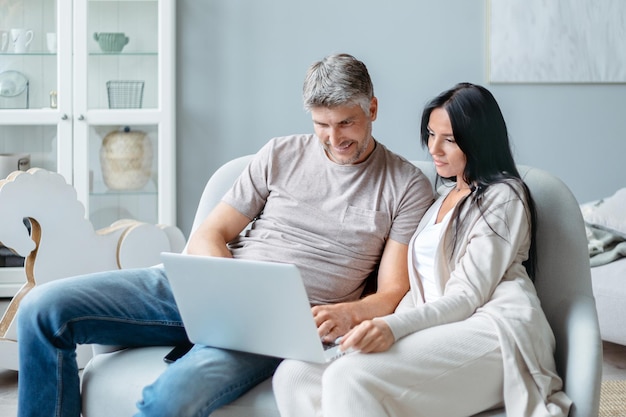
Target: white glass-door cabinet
x=87, y=90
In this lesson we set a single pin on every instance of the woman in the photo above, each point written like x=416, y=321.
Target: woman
x=470, y=334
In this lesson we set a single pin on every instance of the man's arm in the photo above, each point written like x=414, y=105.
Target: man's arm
x=221, y=226
x=335, y=320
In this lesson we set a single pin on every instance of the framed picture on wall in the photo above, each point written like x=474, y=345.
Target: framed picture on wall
x=557, y=41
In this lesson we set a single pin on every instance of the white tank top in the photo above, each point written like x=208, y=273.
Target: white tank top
x=424, y=252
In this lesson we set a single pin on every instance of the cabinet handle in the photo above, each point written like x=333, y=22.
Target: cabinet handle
x=64, y=117
x=81, y=117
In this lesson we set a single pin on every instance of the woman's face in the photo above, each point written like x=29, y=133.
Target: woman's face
x=449, y=159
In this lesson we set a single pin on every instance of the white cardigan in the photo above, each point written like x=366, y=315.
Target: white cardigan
x=485, y=274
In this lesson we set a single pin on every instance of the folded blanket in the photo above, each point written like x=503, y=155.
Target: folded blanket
x=605, y=224
x=604, y=246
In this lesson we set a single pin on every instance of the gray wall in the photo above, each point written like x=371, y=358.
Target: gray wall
x=241, y=64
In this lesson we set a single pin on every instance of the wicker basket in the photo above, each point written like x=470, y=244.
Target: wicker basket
x=125, y=94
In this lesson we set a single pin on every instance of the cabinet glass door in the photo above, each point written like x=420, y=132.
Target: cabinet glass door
x=119, y=56
x=122, y=45
x=22, y=147
x=35, y=100
x=35, y=83
x=28, y=54
x=123, y=181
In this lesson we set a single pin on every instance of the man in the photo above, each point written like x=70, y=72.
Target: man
x=337, y=204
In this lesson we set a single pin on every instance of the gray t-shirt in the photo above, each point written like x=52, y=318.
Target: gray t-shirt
x=330, y=220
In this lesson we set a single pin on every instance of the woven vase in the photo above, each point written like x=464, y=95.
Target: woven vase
x=126, y=159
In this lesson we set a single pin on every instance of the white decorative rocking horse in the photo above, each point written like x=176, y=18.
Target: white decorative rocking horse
x=63, y=243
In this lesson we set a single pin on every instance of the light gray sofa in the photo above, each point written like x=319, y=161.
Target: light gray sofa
x=112, y=382
x=609, y=289
x=605, y=221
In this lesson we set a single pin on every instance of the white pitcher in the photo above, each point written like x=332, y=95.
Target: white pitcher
x=21, y=39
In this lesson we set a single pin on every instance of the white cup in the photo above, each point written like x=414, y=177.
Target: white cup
x=21, y=39
x=4, y=40
x=51, y=41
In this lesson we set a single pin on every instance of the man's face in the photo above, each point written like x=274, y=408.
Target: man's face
x=345, y=131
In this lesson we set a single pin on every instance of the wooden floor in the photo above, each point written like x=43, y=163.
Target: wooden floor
x=614, y=367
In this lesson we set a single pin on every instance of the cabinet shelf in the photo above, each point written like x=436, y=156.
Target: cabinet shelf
x=35, y=53
x=101, y=190
x=147, y=53
x=94, y=53
x=121, y=193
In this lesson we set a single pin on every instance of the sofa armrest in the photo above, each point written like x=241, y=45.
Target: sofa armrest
x=579, y=356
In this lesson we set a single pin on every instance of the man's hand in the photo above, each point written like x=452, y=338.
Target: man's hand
x=369, y=336
x=333, y=320
x=336, y=320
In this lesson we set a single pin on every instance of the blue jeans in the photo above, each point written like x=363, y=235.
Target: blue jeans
x=129, y=308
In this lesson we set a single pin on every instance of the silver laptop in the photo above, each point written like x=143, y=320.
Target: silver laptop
x=251, y=306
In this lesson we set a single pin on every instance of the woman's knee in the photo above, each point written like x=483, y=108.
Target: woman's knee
x=297, y=388
x=291, y=374
x=346, y=373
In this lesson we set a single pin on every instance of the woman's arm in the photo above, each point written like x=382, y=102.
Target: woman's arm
x=492, y=244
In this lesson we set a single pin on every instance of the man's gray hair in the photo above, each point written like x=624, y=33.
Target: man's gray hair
x=337, y=80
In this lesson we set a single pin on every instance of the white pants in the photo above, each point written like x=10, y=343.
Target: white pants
x=445, y=371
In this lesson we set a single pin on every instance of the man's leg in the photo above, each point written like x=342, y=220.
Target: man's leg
x=125, y=307
x=203, y=380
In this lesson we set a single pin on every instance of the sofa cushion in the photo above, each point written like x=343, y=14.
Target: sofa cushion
x=123, y=374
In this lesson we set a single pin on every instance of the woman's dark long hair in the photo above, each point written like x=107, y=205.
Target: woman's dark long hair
x=480, y=132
